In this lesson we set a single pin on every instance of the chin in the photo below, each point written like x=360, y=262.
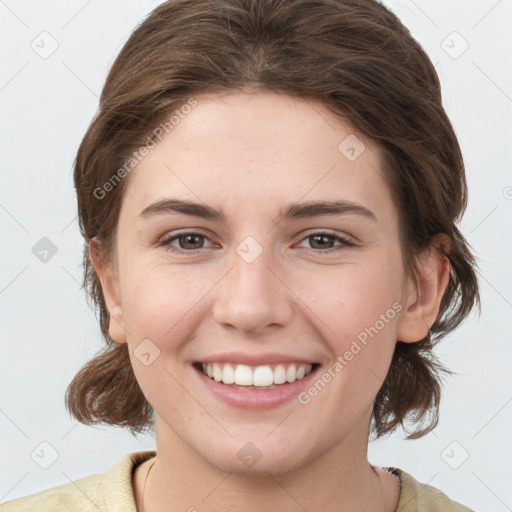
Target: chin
x=256, y=459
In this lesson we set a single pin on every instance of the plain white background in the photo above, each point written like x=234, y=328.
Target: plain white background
x=48, y=331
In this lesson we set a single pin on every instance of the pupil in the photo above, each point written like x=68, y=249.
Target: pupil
x=324, y=237
x=188, y=237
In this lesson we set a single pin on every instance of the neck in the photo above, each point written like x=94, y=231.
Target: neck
x=340, y=480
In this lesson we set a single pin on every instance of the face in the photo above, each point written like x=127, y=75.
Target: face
x=264, y=286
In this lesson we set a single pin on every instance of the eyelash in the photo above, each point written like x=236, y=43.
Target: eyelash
x=165, y=242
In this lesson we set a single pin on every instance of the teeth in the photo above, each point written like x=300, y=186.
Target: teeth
x=243, y=375
x=228, y=374
x=217, y=373
x=279, y=375
x=259, y=376
x=290, y=373
x=262, y=376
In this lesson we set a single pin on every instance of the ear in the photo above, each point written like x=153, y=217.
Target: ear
x=422, y=301
x=110, y=287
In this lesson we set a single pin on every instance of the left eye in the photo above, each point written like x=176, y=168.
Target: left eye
x=186, y=240
x=326, y=236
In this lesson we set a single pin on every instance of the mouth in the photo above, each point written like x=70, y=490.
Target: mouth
x=263, y=377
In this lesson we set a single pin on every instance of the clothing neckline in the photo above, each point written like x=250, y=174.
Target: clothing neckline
x=137, y=458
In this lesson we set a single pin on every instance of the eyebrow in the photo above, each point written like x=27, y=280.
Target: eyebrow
x=292, y=211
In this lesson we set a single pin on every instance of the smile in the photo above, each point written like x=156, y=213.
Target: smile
x=256, y=377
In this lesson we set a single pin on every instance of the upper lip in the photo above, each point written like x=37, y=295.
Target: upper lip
x=254, y=359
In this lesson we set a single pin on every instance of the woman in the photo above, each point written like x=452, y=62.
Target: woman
x=268, y=196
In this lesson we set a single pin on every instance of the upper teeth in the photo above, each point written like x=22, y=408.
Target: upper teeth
x=244, y=375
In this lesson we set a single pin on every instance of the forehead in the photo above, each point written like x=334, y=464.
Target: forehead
x=258, y=150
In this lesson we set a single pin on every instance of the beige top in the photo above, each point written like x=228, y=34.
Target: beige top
x=112, y=491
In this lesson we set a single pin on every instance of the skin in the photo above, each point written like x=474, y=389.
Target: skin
x=252, y=154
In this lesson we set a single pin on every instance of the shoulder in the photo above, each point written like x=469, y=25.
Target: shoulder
x=77, y=495
x=111, y=490
x=419, y=497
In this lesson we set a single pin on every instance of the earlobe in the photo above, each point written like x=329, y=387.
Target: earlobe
x=111, y=294
x=422, y=300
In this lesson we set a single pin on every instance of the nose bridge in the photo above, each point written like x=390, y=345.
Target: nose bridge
x=251, y=296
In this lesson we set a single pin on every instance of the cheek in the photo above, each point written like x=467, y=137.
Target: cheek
x=354, y=296
x=359, y=310
x=158, y=299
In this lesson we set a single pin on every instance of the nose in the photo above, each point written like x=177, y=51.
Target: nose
x=253, y=297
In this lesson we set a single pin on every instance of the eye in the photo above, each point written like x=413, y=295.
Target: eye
x=191, y=242
x=321, y=239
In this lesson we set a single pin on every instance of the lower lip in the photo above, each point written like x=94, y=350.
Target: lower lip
x=254, y=398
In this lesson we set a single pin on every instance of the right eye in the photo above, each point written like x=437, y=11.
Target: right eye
x=185, y=238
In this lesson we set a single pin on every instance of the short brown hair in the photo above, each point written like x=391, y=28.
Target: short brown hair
x=353, y=56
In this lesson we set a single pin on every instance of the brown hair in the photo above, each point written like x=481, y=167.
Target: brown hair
x=357, y=59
